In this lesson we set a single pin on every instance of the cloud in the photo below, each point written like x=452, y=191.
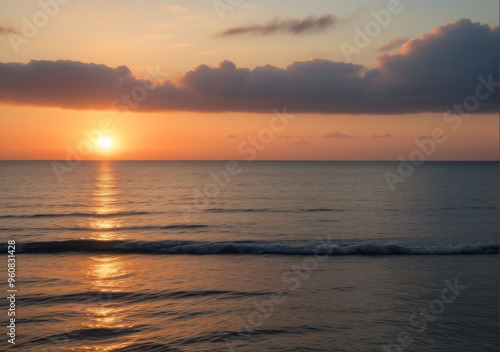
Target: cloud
x=301, y=142
x=184, y=12
x=175, y=8
x=291, y=26
x=441, y=68
x=287, y=137
x=66, y=84
x=232, y=136
x=393, y=44
x=5, y=31
x=337, y=134
x=427, y=74
x=385, y=135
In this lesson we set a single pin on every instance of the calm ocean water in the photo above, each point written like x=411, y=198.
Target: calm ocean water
x=277, y=256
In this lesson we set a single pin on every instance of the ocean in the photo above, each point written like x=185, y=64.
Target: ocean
x=250, y=256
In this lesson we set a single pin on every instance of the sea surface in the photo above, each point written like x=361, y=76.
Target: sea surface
x=253, y=256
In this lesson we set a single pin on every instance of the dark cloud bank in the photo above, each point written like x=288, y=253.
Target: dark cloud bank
x=427, y=74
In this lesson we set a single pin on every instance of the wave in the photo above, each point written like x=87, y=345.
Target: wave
x=249, y=247
x=134, y=297
x=265, y=210
x=91, y=334
x=78, y=214
x=114, y=229
x=135, y=213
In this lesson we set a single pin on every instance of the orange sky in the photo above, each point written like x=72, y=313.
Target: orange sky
x=180, y=36
x=47, y=133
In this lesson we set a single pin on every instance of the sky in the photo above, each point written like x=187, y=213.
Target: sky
x=243, y=79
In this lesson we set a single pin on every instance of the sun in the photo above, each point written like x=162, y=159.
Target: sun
x=105, y=142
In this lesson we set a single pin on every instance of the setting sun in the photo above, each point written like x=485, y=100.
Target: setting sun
x=105, y=142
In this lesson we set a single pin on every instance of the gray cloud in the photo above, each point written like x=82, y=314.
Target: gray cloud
x=5, y=31
x=301, y=142
x=385, y=135
x=66, y=84
x=393, y=44
x=290, y=26
x=337, y=134
x=433, y=72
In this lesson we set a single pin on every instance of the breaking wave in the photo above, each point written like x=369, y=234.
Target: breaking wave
x=250, y=247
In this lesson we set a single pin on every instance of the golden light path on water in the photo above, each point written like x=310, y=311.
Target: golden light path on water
x=106, y=275
x=104, y=203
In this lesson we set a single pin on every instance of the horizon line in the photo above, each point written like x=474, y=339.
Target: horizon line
x=260, y=160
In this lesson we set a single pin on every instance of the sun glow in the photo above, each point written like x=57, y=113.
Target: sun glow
x=105, y=142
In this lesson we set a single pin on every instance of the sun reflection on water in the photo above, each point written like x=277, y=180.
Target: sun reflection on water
x=104, y=205
x=108, y=276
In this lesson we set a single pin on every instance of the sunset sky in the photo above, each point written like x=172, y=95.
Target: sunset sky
x=197, y=80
